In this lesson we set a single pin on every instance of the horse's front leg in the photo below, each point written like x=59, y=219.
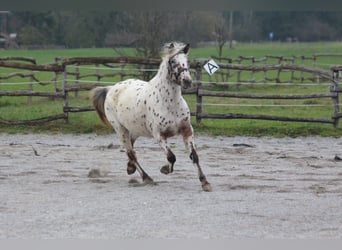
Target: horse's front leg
x=190, y=145
x=170, y=156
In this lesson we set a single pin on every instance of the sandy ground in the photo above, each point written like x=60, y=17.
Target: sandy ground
x=262, y=188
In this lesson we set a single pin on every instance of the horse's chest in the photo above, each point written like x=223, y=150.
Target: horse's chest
x=169, y=120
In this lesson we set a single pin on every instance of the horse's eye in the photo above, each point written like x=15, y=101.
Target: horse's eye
x=173, y=61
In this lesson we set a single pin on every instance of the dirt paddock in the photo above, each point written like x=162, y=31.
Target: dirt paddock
x=262, y=188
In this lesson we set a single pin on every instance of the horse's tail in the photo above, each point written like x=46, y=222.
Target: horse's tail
x=98, y=97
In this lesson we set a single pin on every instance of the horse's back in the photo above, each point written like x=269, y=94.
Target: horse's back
x=124, y=106
x=121, y=89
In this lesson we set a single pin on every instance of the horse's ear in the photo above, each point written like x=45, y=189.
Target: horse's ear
x=186, y=48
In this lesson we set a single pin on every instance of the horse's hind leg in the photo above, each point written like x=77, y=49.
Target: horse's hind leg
x=133, y=163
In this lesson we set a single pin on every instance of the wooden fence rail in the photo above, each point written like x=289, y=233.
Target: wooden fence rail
x=269, y=59
x=64, y=68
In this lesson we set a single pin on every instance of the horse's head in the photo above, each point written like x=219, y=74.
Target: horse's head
x=178, y=65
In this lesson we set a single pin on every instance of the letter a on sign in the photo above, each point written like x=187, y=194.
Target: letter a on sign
x=211, y=67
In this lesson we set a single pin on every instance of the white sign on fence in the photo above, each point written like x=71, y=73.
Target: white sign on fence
x=211, y=67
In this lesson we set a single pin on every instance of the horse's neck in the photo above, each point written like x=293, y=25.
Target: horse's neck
x=163, y=85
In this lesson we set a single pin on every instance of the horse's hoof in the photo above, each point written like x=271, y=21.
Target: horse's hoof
x=207, y=187
x=165, y=169
x=131, y=169
x=148, y=181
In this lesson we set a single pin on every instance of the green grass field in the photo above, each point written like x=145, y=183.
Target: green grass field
x=87, y=122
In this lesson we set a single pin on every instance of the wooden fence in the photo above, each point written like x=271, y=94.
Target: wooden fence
x=29, y=70
x=71, y=75
x=316, y=75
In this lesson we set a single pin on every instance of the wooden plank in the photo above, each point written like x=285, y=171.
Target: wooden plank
x=104, y=60
x=263, y=117
x=338, y=115
x=18, y=58
x=78, y=109
x=336, y=89
x=16, y=74
x=81, y=87
x=39, y=67
x=203, y=92
x=336, y=67
x=32, y=121
x=30, y=93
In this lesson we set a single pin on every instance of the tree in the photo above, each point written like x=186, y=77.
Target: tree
x=148, y=30
x=221, y=32
x=151, y=29
x=35, y=28
x=87, y=28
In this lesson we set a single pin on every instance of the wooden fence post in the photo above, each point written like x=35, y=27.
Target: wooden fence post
x=198, y=97
x=77, y=77
x=29, y=98
x=334, y=89
x=65, y=95
x=98, y=77
x=55, y=73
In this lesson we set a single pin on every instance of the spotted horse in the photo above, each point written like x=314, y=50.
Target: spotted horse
x=155, y=109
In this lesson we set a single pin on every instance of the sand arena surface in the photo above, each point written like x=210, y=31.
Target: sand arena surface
x=262, y=188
